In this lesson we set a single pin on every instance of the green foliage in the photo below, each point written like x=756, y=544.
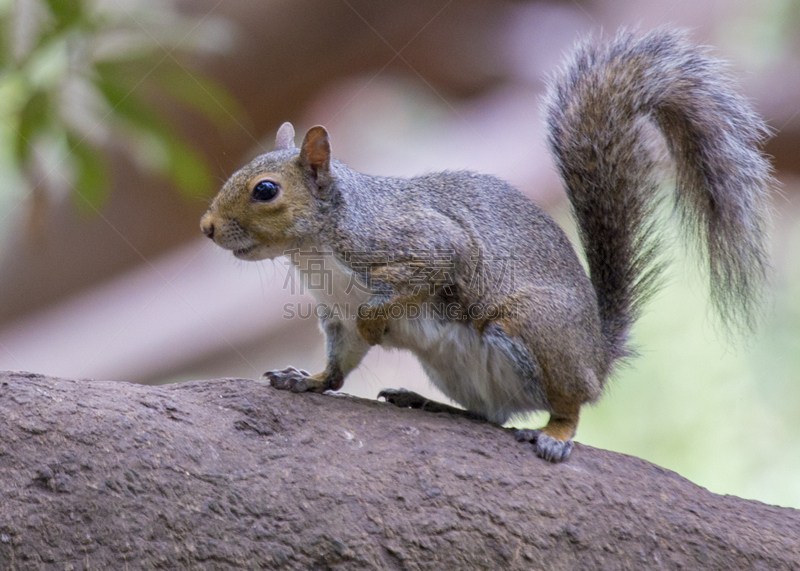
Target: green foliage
x=693, y=405
x=34, y=119
x=760, y=34
x=92, y=175
x=726, y=416
x=67, y=13
x=81, y=77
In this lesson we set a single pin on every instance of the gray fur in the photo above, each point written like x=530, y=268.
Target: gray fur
x=594, y=108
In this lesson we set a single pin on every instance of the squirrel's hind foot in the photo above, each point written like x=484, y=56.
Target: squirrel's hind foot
x=409, y=399
x=545, y=446
x=403, y=398
x=554, y=441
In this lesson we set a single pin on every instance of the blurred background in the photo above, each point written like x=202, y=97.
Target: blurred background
x=119, y=119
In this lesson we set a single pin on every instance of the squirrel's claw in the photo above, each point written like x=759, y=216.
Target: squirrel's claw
x=546, y=446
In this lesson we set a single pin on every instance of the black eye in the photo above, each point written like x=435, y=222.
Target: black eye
x=265, y=190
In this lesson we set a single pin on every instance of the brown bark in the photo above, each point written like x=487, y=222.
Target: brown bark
x=230, y=473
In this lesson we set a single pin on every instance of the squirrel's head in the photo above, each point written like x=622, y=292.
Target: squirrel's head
x=272, y=203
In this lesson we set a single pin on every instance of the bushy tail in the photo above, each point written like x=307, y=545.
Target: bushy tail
x=597, y=113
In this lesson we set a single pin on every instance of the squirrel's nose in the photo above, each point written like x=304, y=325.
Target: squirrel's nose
x=207, y=226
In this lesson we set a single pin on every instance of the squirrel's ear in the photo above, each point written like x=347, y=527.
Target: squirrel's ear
x=285, y=137
x=315, y=154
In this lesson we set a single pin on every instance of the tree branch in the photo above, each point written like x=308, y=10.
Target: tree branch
x=231, y=473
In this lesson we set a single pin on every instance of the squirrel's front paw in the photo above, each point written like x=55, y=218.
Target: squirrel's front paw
x=545, y=446
x=290, y=379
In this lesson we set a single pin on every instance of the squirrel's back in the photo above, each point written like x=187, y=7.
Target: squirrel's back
x=504, y=229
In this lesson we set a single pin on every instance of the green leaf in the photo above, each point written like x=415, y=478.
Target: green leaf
x=118, y=82
x=188, y=170
x=131, y=68
x=185, y=166
x=34, y=119
x=47, y=65
x=92, y=176
x=126, y=105
x=66, y=12
x=194, y=90
x=200, y=93
x=5, y=40
x=14, y=94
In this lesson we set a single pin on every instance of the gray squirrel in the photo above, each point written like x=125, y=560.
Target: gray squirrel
x=546, y=336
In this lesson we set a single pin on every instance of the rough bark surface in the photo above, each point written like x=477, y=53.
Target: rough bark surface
x=230, y=473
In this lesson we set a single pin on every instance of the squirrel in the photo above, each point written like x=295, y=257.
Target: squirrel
x=530, y=328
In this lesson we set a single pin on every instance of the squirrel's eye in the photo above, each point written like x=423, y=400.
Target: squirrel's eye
x=265, y=190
